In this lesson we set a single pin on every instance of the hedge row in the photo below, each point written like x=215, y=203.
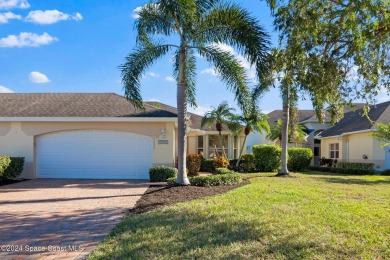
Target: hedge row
x=212, y=180
x=11, y=167
x=342, y=170
x=352, y=165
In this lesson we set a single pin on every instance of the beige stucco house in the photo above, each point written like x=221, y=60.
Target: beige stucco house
x=350, y=139
x=97, y=136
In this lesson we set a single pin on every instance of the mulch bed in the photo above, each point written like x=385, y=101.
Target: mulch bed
x=6, y=182
x=162, y=195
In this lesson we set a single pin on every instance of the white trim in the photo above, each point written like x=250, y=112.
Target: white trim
x=88, y=119
x=347, y=133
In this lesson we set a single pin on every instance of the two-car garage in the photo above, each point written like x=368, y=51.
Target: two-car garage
x=93, y=154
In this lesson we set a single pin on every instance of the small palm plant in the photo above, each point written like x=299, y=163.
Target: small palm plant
x=198, y=26
x=252, y=120
x=293, y=135
x=383, y=134
x=221, y=116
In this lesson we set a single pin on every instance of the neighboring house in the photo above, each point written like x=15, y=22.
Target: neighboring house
x=95, y=136
x=309, y=120
x=350, y=139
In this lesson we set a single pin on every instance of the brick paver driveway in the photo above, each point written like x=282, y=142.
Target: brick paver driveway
x=61, y=219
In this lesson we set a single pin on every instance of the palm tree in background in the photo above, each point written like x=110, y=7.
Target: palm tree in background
x=252, y=120
x=382, y=134
x=221, y=116
x=294, y=135
x=199, y=27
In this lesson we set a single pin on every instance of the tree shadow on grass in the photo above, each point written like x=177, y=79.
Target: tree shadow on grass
x=355, y=181
x=186, y=234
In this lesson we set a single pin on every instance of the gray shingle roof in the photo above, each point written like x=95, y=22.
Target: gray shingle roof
x=356, y=121
x=194, y=118
x=303, y=115
x=74, y=105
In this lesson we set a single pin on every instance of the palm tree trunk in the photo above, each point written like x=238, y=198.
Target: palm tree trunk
x=221, y=143
x=182, y=92
x=284, y=142
x=242, y=149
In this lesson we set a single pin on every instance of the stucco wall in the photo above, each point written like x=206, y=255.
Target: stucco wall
x=18, y=138
x=354, y=146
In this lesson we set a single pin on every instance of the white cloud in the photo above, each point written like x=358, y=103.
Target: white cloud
x=5, y=17
x=200, y=110
x=211, y=71
x=51, y=16
x=154, y=100
x=26, y=39
x=170, y=79
x=223, y=47
x=153, y=75
x=5, y=90
x=383, y=95
x=135, y=14
x=11, y=4
x=250, y=70
x=37, y=77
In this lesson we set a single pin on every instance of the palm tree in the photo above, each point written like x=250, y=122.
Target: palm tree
x=383, y=134
x=220, y=116
x=275, y=133
x=251, y=120
x=198, y=25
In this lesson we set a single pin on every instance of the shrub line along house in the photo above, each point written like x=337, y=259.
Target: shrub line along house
x=97, y=136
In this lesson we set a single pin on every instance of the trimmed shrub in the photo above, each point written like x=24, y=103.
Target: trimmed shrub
x=386, y=172
x=342, y=170
x=207, y=165
x=353, y=165
x=299, y=158
x=212, y=180
x=267, y=157
x=11, y=167
x=194, y=161
x=162, y=173
x=4, y=163
x=326, y=162
x=220, y=162
x=247, y=162
x=224, y=171
x=171, y=181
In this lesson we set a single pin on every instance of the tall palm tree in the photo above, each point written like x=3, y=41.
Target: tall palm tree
x=252, y=120
x=220, y=116
x=198, y=25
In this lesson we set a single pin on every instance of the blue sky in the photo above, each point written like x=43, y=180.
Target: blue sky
x=77, y=46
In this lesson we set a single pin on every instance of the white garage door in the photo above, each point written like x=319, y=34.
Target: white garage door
x=94, y=154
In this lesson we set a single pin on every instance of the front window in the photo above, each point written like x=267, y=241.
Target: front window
x=215, y=148
x=200, y=145
x=334, y=151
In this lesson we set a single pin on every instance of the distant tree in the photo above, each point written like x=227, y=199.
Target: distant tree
x=334, y=50
x=198, y=25
x=383, y=134
x=220, y=116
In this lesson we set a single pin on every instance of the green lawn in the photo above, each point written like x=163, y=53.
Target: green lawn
x=313, y=216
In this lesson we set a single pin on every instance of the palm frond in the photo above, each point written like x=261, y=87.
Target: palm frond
x=230, y=71
x=152, y=20
x=229, y=23
x=136, y=63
